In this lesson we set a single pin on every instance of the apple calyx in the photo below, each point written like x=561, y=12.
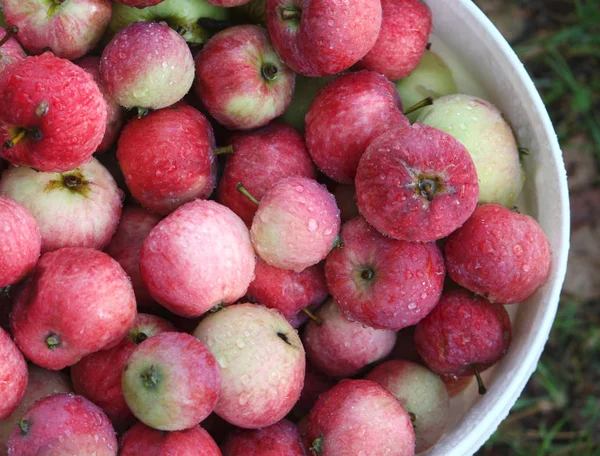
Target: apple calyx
x=367, y=274
x=5, y=291
x=269, y=71
x=10, y=33
x=53, y=341
x=421, y=104
x=428, y=185
x=74, y=181
x=139, y=337
x=312, y=316
x=316, y=448
x=481, y=386
x=240, y=188
x=150, y=377
x=218, y=306
x=142, y=112
x=284, y=338
x=24, y=426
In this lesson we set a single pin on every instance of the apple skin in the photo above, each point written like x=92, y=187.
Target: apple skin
x=417, y=184
x=42, y=383
x=77, y=427
x=203, y=240
x=287, y=291
x=482, y=129
x=328, y=38
x=114, y=112
x=261, y=158
x=98, y=376
x=178, y=163
x=280, y=439
x=171, y=381
x=20, y=243
x=233, y=80
x=80, y=208
x=143, y=440
x=381, y=282
x=342, y=348
x=422, y=393
x=499, y=254
x=67, y=297
x=147, y=65
x=13, y=375
x=346, y=116
x=262, y=363
x=70, y=29
x=134, y=227
x=10, y=52
x=405, y=30
x=139, y=3
x=50, y=96
x=296, y=224
x=359, y=417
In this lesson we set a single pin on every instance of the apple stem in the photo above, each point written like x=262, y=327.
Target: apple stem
x=240, y=188
x=24, y=426
x=480, y=384
x=290, y=14
x=312, y=316
x=12, y=142
x=224, y=150
x=10, y=33
x=421, y=104
x=317, y=446
x=269, y=72
x=53, y=341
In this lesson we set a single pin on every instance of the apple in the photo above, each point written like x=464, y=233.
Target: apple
x=382, y=282
x=79, y=208
x=482, y=129
x=139, y=3
x=417, y=184
x=70, y=29
x=296, y=224
x=195, y=20
x=259, y=159
x=63, y=424
x=198, y=257
x=42, y=102
x=323, y=37
x=339, y=347
x=147, y=65
x=171, y=382
x=20, y=243
x=241, y=80
x=143, y=440
x=135, y=225
x=280, y=439
x=304, y=93
x=346, y=116
x=13, y=375
x=77, y=301
x=10, y=49
x=359, y=417
x=315, y=384
x=262, y=363
x=405, y=30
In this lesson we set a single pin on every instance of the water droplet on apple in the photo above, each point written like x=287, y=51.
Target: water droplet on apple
x=518, y=250
x=243, y=399
x=313, y=225
x=526, y=268
x=299, y=188
x=240, y=343
x=412, y=306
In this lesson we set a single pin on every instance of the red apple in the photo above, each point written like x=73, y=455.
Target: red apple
x=323, y=37
x=70, y=29
x=43, y=100
x=417, y=184
x=79, y=208
x=63, y=424
x=171, y=382
x=281, y=439
x=76, y=302
x=10, y=49
x=178, y=163
x=346, y=116
x=143, y=440
x=134, y=227
x=259, y=159
x=241, y=80
x=262, y=363
x=402, y=40
x=13, y=375
x=196, y=258
x=20, y=242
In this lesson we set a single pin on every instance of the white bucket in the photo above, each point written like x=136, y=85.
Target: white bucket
x=485, y=65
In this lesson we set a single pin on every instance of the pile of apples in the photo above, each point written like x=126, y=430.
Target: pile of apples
x=320, y=284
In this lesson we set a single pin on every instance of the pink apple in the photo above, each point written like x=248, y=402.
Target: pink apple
x=281, y=439
x=10, y=49
x=346, y=116
x=259, y=159
x=323, y=37
x=63, y=424
x=76, y=302
x=296, y=224
x=178, y=163
x=135, y=225
x=79, y=208
x=13, y=375
x=171, y=382
x=196, y=258
x=262, y=363
x=20, y=243
x=241, y=80
x=70, y=29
